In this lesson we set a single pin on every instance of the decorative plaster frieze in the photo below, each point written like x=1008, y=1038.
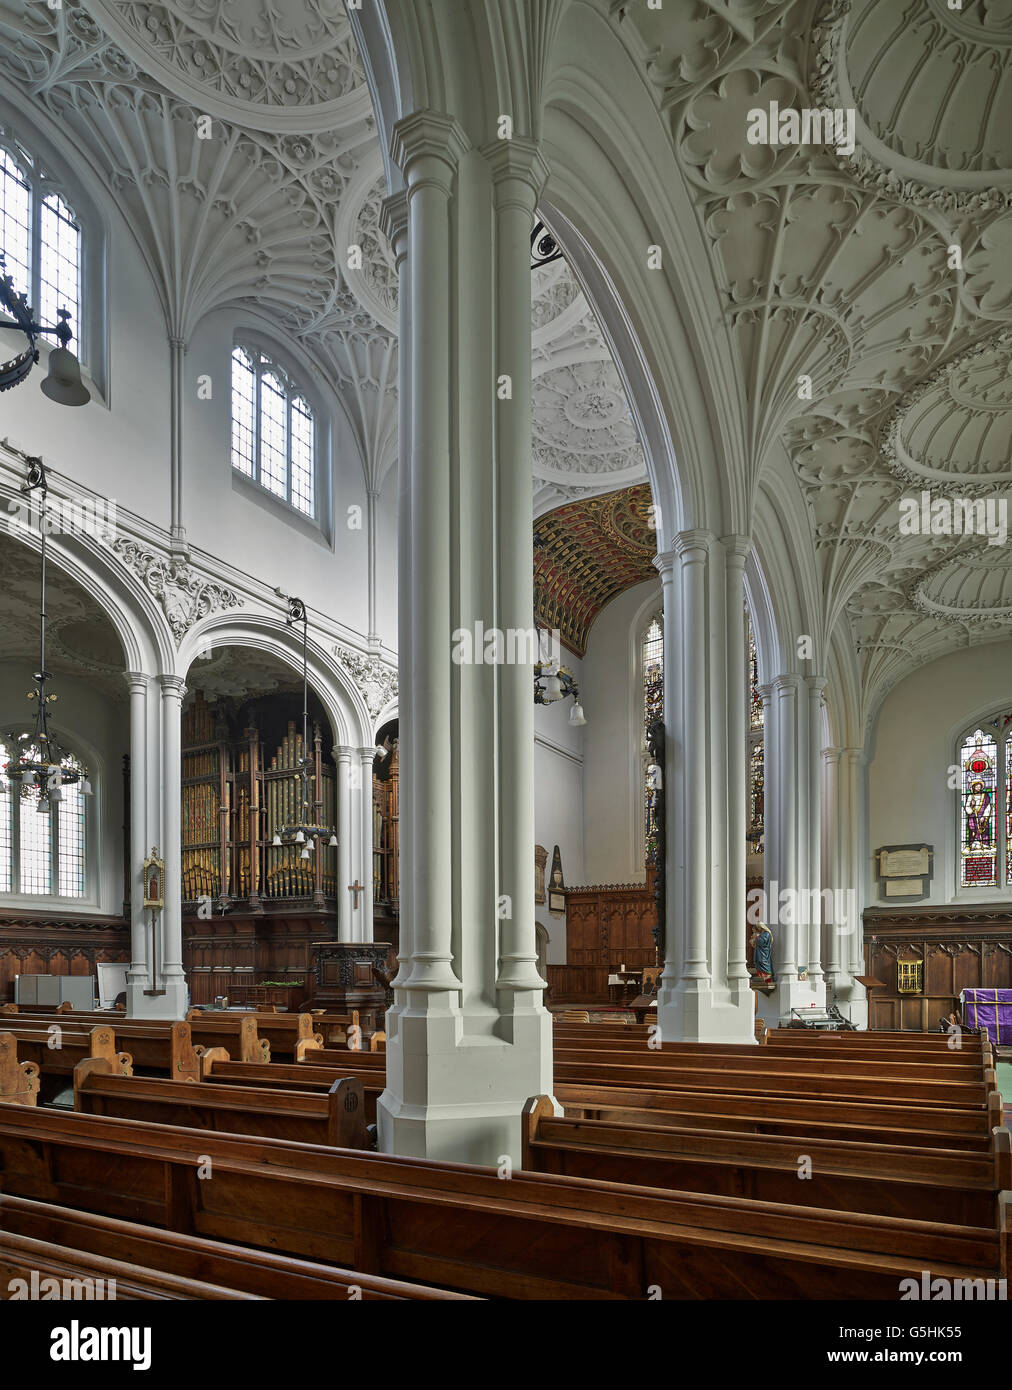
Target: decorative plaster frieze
x=185, y=596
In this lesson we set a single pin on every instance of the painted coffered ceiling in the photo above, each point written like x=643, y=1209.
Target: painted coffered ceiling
x=586, y=554
x=837, y=265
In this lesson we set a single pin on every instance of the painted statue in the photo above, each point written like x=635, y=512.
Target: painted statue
x=762, y=955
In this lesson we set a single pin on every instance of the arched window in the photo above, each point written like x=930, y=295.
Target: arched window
x=756, y=740
x=42, y=853
x=273, y=432
x=40, y=236
x=985, y=804
x=652, y=652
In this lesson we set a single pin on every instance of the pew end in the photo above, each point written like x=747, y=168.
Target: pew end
x=304, y=1045
x=207, y=1057
x=1001, y=1145
x=378, y=1042
x=103, y=1044
x=89, y=1066
x=536, y=1109
x=184, y=1062
x=346, y=1119
x=1005, y=1233
x=19, y=1081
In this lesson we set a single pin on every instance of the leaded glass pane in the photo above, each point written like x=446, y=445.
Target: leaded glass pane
x=70, y=848
x=302, y=456
x=978, y=813
x=653, y=708
x=15, y=223
x=273, y=435
x=244, y=395
x=59, y=262
x=36, y=848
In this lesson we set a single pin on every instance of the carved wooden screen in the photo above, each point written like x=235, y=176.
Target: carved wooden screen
x=386, y=825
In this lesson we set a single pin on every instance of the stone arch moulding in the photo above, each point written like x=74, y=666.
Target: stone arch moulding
x=345, y=706
x=96, y=568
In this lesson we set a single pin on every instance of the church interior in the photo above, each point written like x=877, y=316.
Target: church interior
x=506, y=650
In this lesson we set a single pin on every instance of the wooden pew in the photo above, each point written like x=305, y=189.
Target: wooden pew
x=288, y=1036
x=282, y=1077
x=19, y=1079
x=925, y=1126
x=237, y=1033
x=945, y=1184
x=49, y=1229
x=336, y=1117
x=778, y=1078
x=461, y=1227
x=582, y=1039
x=171, y=1050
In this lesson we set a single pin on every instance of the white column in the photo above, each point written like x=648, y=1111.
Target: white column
x=853, y=853
x=363, y=914
x=816, y=688
x=139, y=976
x=736, y=549
x=468, y=1037
x=699, y=1000
x=171, y=998
x=394, y=220
x=832, y=860
x=345, y=835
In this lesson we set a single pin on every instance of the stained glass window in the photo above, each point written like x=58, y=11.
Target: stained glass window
x=978, y=811
x=40, y=237
x=653, y=708
x=755, y=700
x=41, y=854
x=273, y=431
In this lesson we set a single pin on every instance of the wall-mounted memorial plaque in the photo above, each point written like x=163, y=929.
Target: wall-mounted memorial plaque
x=905, y=871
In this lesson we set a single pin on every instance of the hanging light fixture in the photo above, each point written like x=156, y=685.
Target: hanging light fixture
x=552, y=681
x=39, y=764
x=63, y=384
x=304, y=831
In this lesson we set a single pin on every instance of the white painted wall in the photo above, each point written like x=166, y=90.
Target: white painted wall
x=613, y=739
x=913, y=746
x=97, y=729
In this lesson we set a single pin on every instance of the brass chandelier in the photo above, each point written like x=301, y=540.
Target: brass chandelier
x=304, y=831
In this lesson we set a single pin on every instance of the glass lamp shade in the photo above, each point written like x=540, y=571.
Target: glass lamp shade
x=63, y=384
x=300, y=839
x=305, y=853
x=576, y=715
x=552, y=689
x=276, y=842
x=332, y=842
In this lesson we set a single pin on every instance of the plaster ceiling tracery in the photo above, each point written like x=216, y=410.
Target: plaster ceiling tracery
x=837, y=271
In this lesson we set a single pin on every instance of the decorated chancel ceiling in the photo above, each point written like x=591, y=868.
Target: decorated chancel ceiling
x=587, y=553
x=883, y=273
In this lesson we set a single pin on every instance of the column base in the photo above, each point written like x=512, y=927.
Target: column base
x=456, y=1090
x=793, y=993
x=696, y=1012
x=852, y=1000
x=169, y=999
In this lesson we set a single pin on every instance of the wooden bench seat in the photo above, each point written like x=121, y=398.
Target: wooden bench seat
x=171, y=1050
x=462, y=1227
x=880, y=1056
x=314, y=1080
x=942, y=1184
x=336, y=1116
x=926, y=1126
x=145, y=1037
x=253, y=1273
x=19, y=1078
x=845, y=1082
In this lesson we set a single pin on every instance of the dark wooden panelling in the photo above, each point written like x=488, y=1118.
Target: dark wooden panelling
x=962, y=948
x=40, y=943
x=607, y=926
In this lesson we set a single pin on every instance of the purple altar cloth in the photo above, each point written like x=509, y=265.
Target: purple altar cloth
x=990, y=1010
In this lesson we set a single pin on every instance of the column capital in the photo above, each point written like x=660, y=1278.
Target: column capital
x=137, y=680
x=786, y=683
x=367, y=754
x=434, y=137
x=737, y=547
x=853, y=755
x=393, y=220
x=693, y=546
x=516, y=161
x=664, y=562
x=831, y=755
x=173, y=687
x=817, y=685
x=342, y=752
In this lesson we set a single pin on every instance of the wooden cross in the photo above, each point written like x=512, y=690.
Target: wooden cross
x=356, y=888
